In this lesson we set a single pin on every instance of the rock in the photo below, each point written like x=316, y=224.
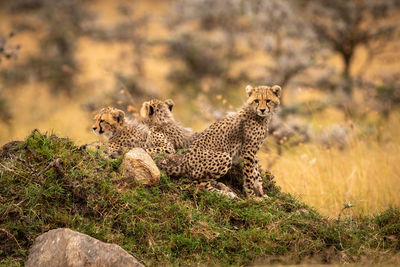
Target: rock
x=63, y=247
x=140, y=167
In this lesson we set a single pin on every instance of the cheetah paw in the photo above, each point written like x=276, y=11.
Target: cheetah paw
x=231, y=195
x=260, y=199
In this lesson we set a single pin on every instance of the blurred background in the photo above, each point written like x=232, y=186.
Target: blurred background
x=336, y=140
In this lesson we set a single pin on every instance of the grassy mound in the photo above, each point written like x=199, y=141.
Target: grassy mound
x=47, y=182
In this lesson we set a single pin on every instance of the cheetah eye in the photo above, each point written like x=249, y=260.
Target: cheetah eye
x=256, y=101
x=268, y=100
x=101, y=121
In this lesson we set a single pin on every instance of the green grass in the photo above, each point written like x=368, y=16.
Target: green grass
x=47, y=182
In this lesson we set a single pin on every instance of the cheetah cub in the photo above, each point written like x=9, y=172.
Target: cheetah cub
x=236, y=137
x=165, y=134
x=121, y=134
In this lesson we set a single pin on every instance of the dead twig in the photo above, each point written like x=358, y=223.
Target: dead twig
x=57, y=164
x=84, y=146
x=11, y=236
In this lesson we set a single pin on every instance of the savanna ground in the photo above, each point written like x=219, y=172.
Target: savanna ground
x=121, y=53
x=48, y=182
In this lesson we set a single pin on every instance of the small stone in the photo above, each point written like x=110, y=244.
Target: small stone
x=304, y=212
x=66, y=248
x=140, y=167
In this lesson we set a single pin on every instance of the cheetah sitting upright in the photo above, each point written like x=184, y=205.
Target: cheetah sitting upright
x=237, y=136
x=165, y=134
x=120, y=134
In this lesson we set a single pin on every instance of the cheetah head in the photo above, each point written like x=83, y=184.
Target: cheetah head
x=263, y=100
x=107, y=122
x=156, y=111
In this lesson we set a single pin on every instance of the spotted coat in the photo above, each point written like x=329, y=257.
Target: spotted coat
x=165, y=134
x=236, y=137
x=121, y=135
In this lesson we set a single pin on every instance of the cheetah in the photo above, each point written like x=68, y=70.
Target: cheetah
x=166, y=135
x=121, y=134
x=236, y=137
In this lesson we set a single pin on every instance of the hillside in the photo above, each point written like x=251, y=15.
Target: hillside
x=48, y=182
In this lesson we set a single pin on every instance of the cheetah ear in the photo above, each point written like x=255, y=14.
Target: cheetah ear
x=249, y=90
x=119, y=116
x=170, y=104
x=277, y=90
x=144, y=110
x=150, y=111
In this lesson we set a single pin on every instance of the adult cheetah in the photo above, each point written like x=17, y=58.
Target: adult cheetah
x=236, y=137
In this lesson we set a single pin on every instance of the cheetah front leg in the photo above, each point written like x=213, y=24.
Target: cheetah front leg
x=114, y=150
x=252, y=183
x=258, y=182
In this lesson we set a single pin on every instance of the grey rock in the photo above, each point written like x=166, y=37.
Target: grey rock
x=66, y=248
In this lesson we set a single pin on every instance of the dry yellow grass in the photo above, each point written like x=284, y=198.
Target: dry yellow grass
x=33, y=107
x=365, y=174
